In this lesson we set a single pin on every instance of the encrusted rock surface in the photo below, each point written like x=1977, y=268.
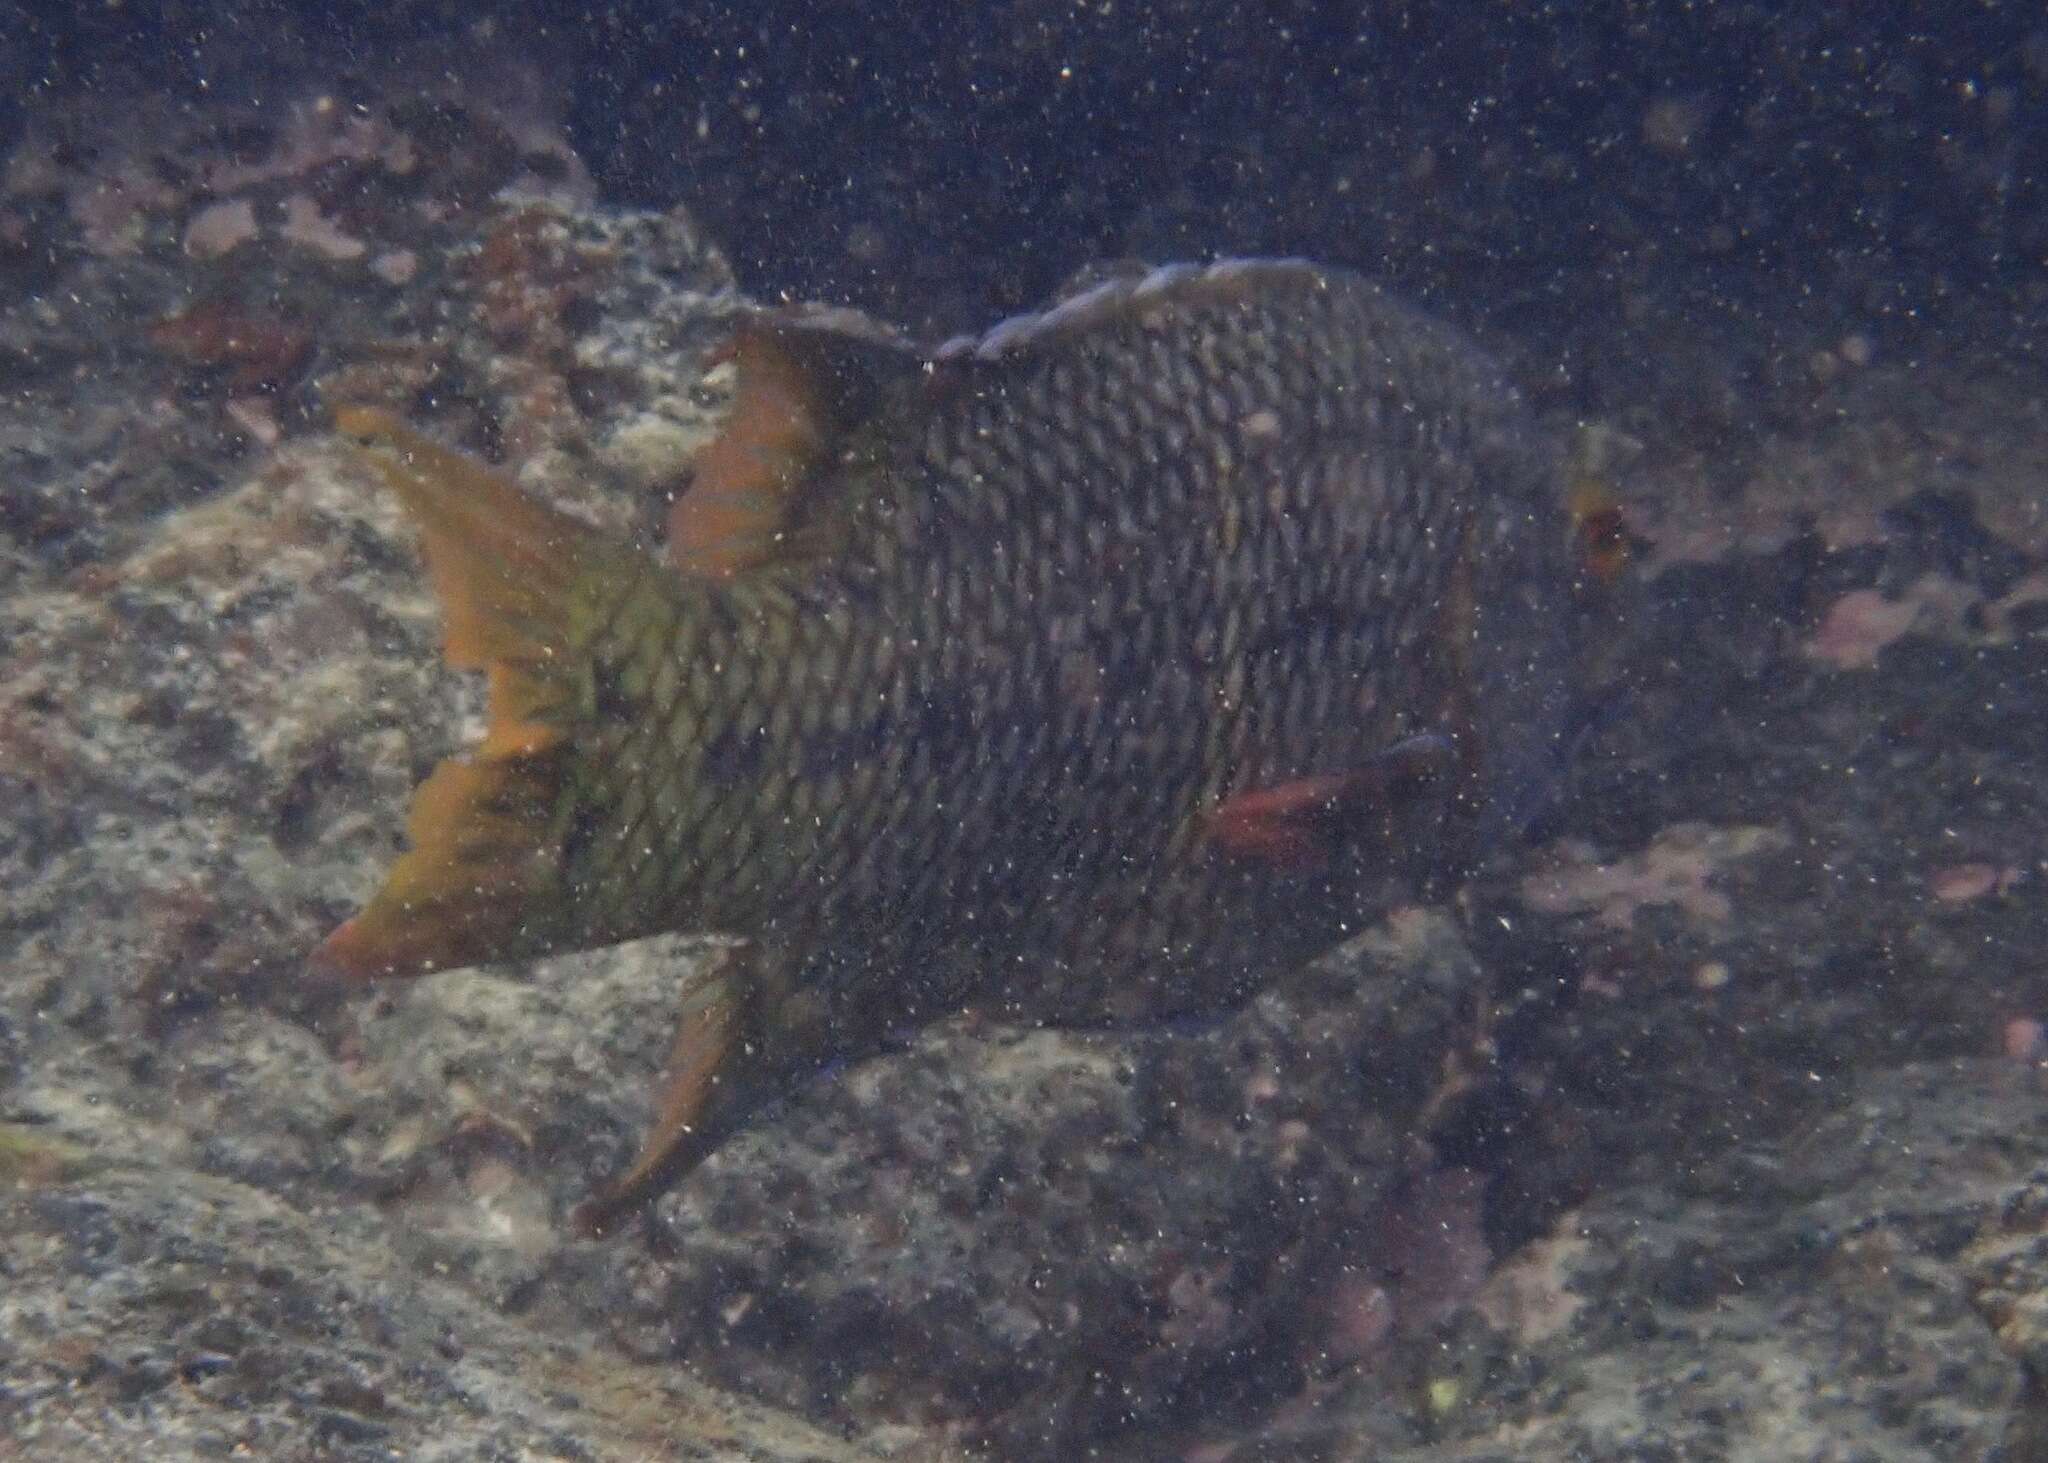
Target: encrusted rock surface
x=1859, y=1289
x=162, y=1311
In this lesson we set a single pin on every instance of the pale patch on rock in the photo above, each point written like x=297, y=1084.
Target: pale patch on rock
x=651, y=450
x=1529, y=1296
x=1858, y=626
x=220, y=227
x=396, y=266
x=254, y=416
x=1962, y=883
x=1675, y=869
x=309, y=228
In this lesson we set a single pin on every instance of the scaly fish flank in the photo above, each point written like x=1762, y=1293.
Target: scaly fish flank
x=1094, y=669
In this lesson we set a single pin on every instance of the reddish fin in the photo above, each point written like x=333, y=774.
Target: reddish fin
x=706, y=1037
x=502, y=562
x=1602, y=544
x=1295, y=824
x=478, y=882
x=1599, y=530
x=1278, y=824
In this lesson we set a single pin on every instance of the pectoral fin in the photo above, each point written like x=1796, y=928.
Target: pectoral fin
x=1296, y=824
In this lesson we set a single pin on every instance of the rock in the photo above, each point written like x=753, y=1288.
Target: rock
x=1863, y=1288
x=157, y=1310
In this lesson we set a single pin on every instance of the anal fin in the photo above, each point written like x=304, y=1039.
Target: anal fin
x=751, y=1032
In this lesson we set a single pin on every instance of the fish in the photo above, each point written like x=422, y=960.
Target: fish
x=1091, y=670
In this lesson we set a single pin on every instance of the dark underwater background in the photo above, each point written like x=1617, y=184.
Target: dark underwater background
x=968, y=158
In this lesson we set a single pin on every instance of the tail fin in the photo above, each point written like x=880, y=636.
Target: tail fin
x=481, y=880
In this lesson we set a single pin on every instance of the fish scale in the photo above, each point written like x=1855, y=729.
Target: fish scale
x=1068, y=670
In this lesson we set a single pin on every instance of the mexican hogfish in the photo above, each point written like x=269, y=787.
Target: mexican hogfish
x=1097, y=668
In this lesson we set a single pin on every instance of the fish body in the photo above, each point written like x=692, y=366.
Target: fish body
x=1096, y=668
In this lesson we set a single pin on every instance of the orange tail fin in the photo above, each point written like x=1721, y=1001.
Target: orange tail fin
x=479, y=880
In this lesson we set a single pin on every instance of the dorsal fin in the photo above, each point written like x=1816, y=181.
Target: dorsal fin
x=477, y=881
x=1132, y=292
x=804, y=383
x=759, y=491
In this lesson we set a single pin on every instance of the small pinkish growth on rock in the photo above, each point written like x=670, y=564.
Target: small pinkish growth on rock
x=1361, y=1319
x=2024, y=1039
x=1859, y=625
x=1961, y=883
x=253, y=415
